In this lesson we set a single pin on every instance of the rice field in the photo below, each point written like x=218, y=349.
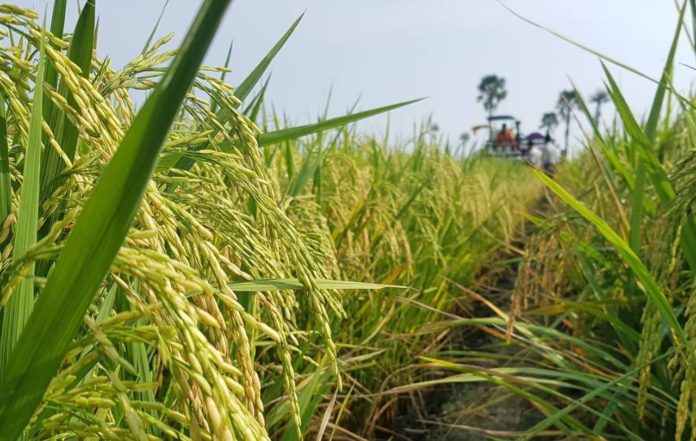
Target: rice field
x=197, y=267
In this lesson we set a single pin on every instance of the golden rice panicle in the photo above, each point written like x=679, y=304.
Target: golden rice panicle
x=649, y=346
x=686, y=408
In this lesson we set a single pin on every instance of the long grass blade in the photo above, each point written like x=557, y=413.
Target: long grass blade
x=254, y=107
x=270, y=138
x=51, y=73
x=309, y=400
x=310, y=165
x=552, y=419
x=57, y=28
x=693, y=20
x=80, y=53
x=590, y=50
x=5, y=181
x=154, y=28
x=214, y=104
x=247, y=85
x=608, y=153
x=665, y=80
x=18, y=309
x=656, y=173
x=294, y=284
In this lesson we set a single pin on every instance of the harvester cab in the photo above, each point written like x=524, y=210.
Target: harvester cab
x=504, y=137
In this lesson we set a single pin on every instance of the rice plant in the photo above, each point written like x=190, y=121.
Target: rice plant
x=197, y=268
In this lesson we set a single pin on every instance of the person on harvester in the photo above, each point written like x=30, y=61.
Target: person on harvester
x=505, y=138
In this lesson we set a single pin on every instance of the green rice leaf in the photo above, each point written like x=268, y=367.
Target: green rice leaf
x=624, y=110
x=254, y=107
x=57, y=28
x=98, y=234
x=309, y=399
x=270, y=138
x=245, y=88
x=608, y=153
x=555, y=417
x=5, y=183
x=693, y=18
x=154, y=28
x=58, y=18
x=80, y=52
x=228, y=57
x=637, y=207
x=19, y=307
x=587, y=49
x=214, y=104
x=651, y=287
x=310, y=165
x=656, y=173
x=51, y=73
x=665, y=81
x=294, y=284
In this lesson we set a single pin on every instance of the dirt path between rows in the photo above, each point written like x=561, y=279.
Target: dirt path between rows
x=476, y=411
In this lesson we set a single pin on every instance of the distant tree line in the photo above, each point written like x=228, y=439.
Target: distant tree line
x=492, y=91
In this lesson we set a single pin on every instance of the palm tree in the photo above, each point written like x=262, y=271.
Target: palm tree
x=549, y=121
x=599, y=98
x=464, y=138
x=491, y=92
x=567, y=100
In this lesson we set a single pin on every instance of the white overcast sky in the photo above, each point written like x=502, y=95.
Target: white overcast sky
x=385, y=51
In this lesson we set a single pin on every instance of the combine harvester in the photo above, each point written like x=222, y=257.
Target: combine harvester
x=505, y=139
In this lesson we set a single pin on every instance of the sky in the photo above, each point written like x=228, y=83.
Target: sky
x=385, y=51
